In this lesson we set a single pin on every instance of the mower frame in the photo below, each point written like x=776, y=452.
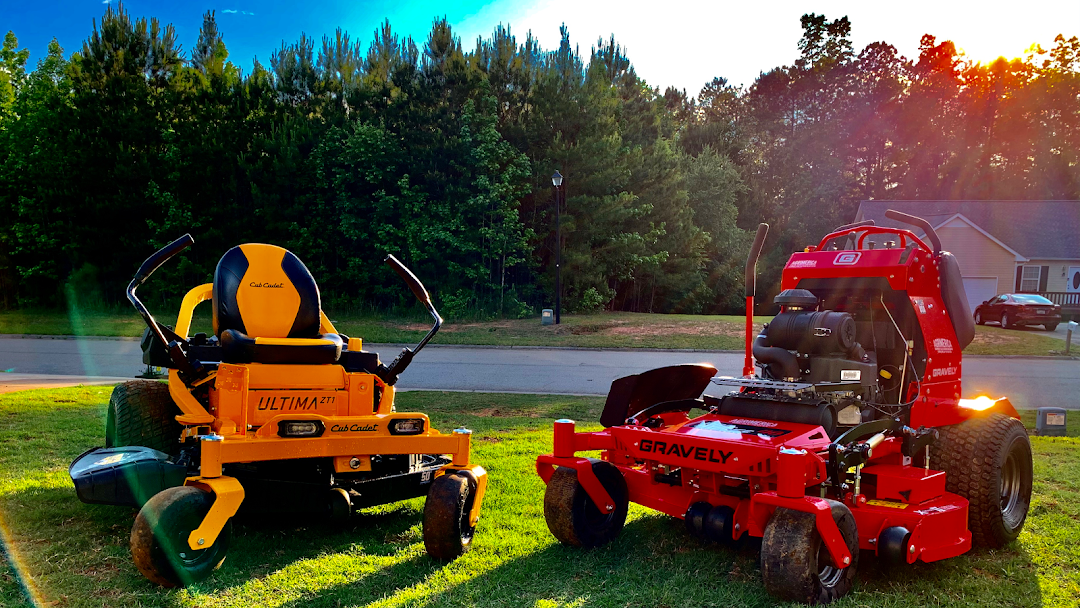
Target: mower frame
x=753, y=466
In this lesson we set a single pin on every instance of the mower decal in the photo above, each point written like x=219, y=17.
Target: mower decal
x=716, y=428
x=847, y=258
x=685, y=451
x=945, y=371
x=285, y=402
x=803, y=264
x=354, y=428
x=887, y=503
x=752, y=422
x=942, y=509
x=943, y=345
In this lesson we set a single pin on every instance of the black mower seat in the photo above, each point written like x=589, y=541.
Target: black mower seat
x=267, y=309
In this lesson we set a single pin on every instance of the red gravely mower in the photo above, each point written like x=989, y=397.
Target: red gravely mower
x=852, y=436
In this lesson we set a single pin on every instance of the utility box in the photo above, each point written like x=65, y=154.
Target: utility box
x=547, y=317
x=1050, y=421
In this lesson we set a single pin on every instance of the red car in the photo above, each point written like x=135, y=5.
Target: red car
x=1013, y=309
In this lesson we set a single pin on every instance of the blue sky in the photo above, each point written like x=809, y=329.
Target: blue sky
x=673, y=42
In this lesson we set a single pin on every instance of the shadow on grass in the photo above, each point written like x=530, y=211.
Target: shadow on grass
x=378, y=558
x=654, y=563
x=81, y=554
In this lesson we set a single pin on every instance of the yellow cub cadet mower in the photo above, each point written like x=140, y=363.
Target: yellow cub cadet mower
x=276, y=407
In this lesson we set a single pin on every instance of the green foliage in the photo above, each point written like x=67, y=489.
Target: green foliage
x=346, y=151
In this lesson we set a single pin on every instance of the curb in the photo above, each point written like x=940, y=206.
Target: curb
x=64, y=337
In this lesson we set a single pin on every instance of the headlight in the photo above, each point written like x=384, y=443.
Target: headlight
x=407, y=426
x=300, y=428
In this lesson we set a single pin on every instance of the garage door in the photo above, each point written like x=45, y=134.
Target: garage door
x=980, y=289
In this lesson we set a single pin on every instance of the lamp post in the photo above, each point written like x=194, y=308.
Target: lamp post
x=556, y=181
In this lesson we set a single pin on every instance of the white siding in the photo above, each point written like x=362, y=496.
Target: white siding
x=979, y=256
x=1055, y=280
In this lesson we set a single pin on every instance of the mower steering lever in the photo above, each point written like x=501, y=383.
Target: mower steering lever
x=389, y=373
x=174, y=343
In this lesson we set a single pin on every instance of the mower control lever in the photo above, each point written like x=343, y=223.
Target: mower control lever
x=173, y=343
x=918, y=222
x=389, y=373
x=916, y=440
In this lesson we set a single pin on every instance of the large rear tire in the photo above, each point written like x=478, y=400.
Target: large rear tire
x=988, y=461
x=574, y=518
x=142, y=413
x=795, y=564
x=159, y=538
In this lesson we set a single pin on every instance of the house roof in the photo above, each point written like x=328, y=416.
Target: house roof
x=1034, y=229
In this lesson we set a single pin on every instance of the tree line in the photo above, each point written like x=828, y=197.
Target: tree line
x=441, y=155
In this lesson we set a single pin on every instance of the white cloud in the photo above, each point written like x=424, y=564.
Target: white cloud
x=233, y=11
x=230, y=11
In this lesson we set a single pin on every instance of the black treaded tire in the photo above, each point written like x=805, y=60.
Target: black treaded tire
x=979, y=320
x=142, y=413
x=1005, y=322
x=1050, y=326
x=573, y=518
x=447, y=533
x=160, y=534
x=795, y=565
x=988, y=461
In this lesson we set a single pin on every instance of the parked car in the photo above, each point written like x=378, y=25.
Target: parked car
x=1014, y=309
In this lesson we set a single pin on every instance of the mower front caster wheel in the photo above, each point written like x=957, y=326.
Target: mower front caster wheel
x=574, y=518
x=447, y=532
x=795, y=564
x=159, y=538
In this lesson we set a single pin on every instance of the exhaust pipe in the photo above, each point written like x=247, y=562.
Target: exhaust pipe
x=751, y=288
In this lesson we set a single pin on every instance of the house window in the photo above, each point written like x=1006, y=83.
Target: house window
x=1029, y=280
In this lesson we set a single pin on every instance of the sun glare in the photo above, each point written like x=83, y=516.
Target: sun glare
x=978, y=404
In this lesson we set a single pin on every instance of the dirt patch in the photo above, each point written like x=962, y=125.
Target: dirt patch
x=995, y=338
x=494, y=412
x=490, y=439
x=668, y=329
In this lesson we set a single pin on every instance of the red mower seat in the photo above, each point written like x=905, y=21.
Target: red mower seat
x=267, y=309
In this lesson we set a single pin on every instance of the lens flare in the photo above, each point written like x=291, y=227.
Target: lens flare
x=7, y=549
x=980, y=403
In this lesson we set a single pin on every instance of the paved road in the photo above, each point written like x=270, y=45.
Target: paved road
x=1028, y=382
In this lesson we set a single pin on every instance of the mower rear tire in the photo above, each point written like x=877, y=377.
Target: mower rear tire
x=142, y=413
x=795, y=564
x=574, y=518
x=159, y=538
x=988, y=461
x=447, y=532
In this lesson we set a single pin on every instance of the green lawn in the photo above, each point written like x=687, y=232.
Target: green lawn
x=71, y=554
x=604, y=330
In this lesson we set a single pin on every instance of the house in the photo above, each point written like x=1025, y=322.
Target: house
x=1002, y=246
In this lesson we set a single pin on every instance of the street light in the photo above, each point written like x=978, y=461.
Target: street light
x=556, y=180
